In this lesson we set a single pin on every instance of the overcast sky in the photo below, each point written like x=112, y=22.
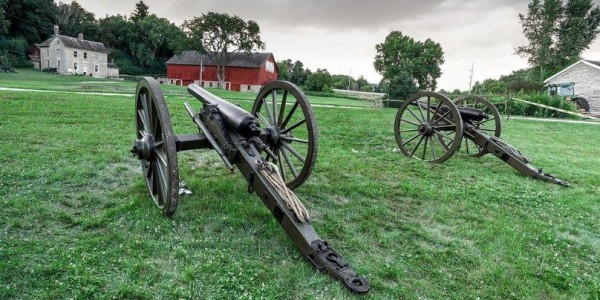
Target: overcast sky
x=340, y=35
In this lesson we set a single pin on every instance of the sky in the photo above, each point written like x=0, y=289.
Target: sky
x=340, y=35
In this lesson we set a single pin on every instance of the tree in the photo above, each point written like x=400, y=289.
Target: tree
x=4, y=22
x=298, y=74
x=32, y=20
x=319, y=81
x=343, y=82
x=220, y=35
x=557, y=33
x=285, y=69
x=141, y=12
x=74, y=19
x=578, y=29
x=400, y=56
x=400, y=86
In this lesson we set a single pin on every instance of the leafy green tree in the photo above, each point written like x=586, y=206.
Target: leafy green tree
x=32, y=20
x=363, y=84
x=219, y=35
x=155, y=40
x=342, y=82
x=298, y=73
x=285, y=69
x=578, y=29
x=142, y=10
x=319, y=81
x=400, y=56
x=400, y=86
x=4, y=22
x=74, y=19
x=557, y=34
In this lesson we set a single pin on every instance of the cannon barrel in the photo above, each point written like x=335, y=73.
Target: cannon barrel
x=471, y=114
x=234, y=117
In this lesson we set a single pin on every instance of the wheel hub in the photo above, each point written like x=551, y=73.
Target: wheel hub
x=144, y=148
x=426, y=129
x=274, y=136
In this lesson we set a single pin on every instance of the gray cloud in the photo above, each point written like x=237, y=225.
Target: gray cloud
x=340, y=35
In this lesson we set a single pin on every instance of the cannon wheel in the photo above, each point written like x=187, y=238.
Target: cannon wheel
x=491, y=126
x=428, y=127
x=155, y=145
x=293, y=132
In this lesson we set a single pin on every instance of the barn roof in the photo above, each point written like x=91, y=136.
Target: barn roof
x=241, y=59
x=76, y=43
x=591, y=63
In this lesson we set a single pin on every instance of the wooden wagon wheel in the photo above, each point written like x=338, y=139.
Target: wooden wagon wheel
x=492, y=125
x=293, y=134
x=428, y=127
x=155, y=145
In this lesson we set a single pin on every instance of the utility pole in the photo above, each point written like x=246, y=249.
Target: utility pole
x=471, y=78
x=349, y=79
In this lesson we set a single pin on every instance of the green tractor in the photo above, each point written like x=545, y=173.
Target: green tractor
x=567, y=90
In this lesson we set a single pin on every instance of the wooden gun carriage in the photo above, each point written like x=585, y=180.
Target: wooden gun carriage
x=274, y=147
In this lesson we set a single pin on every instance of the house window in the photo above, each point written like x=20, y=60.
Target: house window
x=48, y=62
x=75, y=66
x=75, y=55
x=84, y=54
x=48, y=51
x=96, y=68
x=58, y=65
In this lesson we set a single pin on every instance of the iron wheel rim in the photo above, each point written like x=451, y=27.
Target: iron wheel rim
x=161, y=173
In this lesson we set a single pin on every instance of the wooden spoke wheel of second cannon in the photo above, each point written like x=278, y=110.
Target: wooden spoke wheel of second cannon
x=155, y=145
x=491, y=126
x=423, y=122
x=283, y=109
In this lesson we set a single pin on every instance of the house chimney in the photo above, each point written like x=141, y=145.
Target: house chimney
x=55, y=30
x=81, y=36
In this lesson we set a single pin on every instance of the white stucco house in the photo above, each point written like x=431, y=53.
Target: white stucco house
x=74, y=56
x=585, y=76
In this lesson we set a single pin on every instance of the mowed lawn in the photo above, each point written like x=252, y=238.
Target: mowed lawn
x=77, y=221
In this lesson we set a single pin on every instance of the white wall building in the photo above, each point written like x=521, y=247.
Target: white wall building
x=74, y=56
x=585, y=74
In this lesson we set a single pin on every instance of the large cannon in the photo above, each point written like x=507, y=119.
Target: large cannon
x=431, y=127
x=274, y=147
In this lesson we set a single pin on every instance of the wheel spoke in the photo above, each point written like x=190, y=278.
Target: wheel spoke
x=409, y=122
x=412, y=130
x=263, y=119
x=268, y=110
x=467, y=146
x=445, y=127
x=444, y=118
x=274, y=98
x=414, y=115
x=291, y=149
x=425, y=148
x=290, y=114
x=417, y=147
x=289, y=162
x=142, y=115
x=294, y=126
x=294, y=139
x=282, y=109
x=280, y=162
x=420, y=110
x=432, y=148
x=412, y=139
x=485, y=121
x=428, y=113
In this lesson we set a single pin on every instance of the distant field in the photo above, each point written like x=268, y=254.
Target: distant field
x=77, y=221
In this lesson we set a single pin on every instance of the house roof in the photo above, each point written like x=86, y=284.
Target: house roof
x=112, y=66
x=591, y=63
x=76, y=43
x=241, y=59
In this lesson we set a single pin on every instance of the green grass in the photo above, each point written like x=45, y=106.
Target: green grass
x=77, y=221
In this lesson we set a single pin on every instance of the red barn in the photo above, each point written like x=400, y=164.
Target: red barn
x=244, y=72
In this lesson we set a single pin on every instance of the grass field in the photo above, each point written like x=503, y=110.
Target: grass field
x=77, y=221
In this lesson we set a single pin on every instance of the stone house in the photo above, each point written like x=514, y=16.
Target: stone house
x=74, y=56
x=585, y=74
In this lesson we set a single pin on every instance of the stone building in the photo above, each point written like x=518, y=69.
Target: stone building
x=73, y=56
x=585, y=74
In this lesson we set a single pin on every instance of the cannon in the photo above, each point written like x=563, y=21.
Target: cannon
x=274, y=147
x=431, y=127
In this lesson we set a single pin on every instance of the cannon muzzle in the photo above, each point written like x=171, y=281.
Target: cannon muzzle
x=234, y=117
